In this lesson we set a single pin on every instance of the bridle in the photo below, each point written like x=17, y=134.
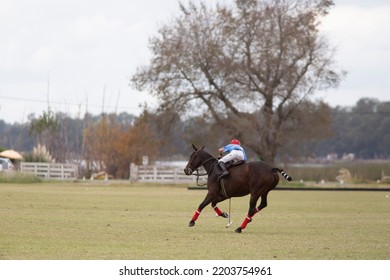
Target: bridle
x=204, y=174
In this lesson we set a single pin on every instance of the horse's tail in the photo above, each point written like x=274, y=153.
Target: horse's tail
x=281, y=171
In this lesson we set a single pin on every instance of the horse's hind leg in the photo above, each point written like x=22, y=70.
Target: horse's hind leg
x=251, y=212
x=263, y=203
x=218, y=211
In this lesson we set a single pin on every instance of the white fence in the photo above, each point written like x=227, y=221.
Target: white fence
x=163, y=174
x=385, y=177
x=60, y=171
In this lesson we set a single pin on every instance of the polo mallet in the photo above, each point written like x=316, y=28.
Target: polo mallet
x=229, y=221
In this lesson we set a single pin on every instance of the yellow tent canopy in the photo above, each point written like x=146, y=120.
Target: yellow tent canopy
x=11, y=154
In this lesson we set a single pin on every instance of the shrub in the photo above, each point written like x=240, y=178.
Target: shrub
x=39, y=154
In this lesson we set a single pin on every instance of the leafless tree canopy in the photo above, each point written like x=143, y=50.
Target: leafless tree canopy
x=249, y=65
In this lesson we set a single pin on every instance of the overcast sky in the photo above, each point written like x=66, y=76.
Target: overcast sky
x=78, y=55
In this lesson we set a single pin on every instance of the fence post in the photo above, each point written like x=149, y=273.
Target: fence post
x=133, y=173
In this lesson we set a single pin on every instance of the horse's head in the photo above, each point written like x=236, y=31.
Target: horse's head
x=196, y=160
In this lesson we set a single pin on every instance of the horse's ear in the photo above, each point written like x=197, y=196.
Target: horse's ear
x=202, y=147
x=195, y=148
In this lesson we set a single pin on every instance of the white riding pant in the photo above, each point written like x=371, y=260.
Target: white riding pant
x=234, y=155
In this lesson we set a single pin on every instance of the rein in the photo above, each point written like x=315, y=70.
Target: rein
x=197, y=178
x=222, y=182
x=204, y=174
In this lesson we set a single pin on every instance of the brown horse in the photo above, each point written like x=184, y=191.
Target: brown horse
x=254, y=178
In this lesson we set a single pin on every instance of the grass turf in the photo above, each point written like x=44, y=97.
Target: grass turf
x=97, y=221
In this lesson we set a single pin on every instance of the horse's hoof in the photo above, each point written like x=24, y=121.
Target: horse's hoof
x=238, y=230
x=225, y=215
x=191, y=223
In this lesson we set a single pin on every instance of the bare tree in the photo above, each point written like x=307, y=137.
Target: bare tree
x=249, y=66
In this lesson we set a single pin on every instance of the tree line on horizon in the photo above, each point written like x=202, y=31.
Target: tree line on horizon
x=110, y=142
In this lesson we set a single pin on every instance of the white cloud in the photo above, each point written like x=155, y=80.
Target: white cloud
x=360, y=35
x=95, y=27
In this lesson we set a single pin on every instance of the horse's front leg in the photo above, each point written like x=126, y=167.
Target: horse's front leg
x=218, y=211
x=205, y=202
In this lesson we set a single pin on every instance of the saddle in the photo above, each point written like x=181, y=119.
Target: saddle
x=233, y=163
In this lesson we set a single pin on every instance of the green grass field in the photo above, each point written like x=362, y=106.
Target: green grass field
x=122, y=221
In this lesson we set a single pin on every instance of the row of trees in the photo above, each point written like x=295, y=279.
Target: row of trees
x=107, y=142
x=110, y=142
x=363, y=130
